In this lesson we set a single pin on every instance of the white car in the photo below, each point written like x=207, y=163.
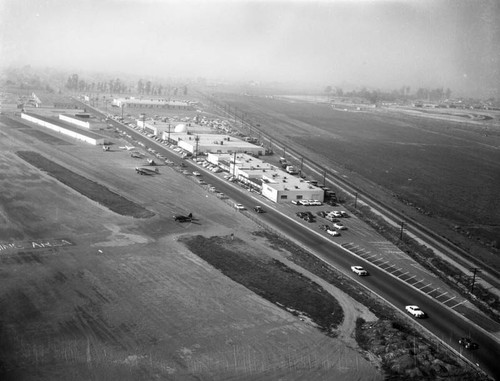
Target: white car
x=335, y=213
x=339, y=226
x=333, y=233
x=315, y=202
x=305, y=202
x=415, y=311
x=196, y=173
x=358, y=270
x=239, y=207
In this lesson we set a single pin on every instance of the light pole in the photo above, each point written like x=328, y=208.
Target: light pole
x=355, y=200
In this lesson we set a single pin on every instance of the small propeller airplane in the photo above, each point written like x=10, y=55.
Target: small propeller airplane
x=181, y=218
x=146, y=171
x=137, y=155
x=128, y=148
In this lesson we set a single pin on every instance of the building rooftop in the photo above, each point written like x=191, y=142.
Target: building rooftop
x=65, y=125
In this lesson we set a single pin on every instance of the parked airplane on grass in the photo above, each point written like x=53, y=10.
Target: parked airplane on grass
x=181, y=218
x=147, y=171
x=128, y=148
x=137, y=155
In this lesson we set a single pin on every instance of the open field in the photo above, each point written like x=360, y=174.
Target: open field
x=87, y=293
x=443, y=173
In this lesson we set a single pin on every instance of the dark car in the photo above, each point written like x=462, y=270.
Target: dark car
x=309, y=218
x=324, y=227
x=467, y=343
x=321, y=213
x=301, y=214
x=258, y=209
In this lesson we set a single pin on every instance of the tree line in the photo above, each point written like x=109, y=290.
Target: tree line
x=75, y=83
x=374, y=96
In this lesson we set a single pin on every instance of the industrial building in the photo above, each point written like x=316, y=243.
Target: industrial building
x=65, y=128
x=151, y=103
x=273, y=183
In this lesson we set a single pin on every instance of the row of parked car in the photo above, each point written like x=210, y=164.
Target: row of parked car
x=307, y=202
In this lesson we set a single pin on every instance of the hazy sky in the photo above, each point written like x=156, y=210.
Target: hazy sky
x=379, y=44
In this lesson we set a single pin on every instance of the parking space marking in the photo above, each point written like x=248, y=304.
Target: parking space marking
x=425, y=286
x=399, y=276
x=446, y=301
x=373, y=256
x=431, y=291
x=443, y=294
x=462, y=302
x=406, y=280
x=421, y=280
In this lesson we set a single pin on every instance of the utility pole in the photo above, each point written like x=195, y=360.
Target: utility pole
x=234, y=162
x=355, y=200
x=324, y=177
x=474, y=271
x=168, y=133
x=401, y=231
x=196, y=139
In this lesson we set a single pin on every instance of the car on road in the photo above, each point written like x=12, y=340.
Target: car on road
x=415, y=311
x=330, y=218
x=325, y=227
x=468, y=343
x=239, y=207
x=335, y=213
x=258, y=209
x=358, y=270
x=333, y=233
x=196, y=173
x=339, y=226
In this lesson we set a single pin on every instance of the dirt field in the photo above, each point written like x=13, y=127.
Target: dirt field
x=443, y=173
x=87, y=293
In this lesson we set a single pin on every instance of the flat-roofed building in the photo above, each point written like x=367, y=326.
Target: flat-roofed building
x=145, y=102
x=204, y=143
x=65, y=128
x=273, y=183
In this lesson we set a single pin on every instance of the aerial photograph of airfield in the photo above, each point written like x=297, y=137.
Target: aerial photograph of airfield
x=249, y=190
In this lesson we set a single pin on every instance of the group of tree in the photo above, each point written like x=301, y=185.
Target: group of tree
x=149, y=88
x=117, y=86
x=374, y=96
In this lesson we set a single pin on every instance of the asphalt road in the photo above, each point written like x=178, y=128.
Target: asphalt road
x=444, y=323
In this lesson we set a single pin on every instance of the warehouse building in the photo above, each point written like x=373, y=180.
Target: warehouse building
x=151, y=103
x=273, y=183
x=65, y=128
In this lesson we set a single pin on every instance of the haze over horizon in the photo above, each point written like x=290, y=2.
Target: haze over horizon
x=378, y=44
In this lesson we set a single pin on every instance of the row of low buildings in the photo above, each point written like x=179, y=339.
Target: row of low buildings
x=236, y=156
x=76, y=126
